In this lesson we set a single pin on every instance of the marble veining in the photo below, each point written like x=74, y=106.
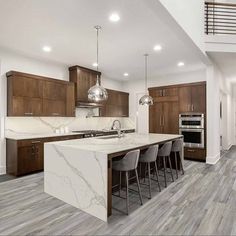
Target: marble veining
x=36, y=127
x=76, y=170
x=77, y=178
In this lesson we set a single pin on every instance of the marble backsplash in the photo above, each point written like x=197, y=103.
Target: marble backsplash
x=40, y=125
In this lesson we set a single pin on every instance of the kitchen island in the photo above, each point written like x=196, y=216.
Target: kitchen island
x=79, y=172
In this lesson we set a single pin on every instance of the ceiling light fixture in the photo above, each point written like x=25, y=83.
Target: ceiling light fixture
x=180, y=64
x=114, y=17
x=95, y=64
x=146, y=99
x=47, y=49
x=157, y=48
x=126, y=74
x=97, y=93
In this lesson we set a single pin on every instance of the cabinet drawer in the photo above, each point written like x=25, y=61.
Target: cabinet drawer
x=23, y=106
x=195, y=154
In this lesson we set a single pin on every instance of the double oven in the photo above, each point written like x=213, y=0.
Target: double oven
x=192, y=127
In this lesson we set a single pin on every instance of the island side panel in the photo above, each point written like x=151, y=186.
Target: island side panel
x=77, y=177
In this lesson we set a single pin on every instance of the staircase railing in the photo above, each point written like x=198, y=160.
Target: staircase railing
x=220, y=18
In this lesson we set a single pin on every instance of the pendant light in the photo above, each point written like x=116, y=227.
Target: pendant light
x=97, y=93
x=146, y=99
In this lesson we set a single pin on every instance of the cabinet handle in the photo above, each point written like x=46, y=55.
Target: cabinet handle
x=192, y=107
x=55, y=114
x=34, y=142
x=163, y=118
x=29, y=113
x=189, y=150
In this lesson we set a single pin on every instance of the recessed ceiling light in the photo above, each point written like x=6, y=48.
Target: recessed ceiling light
x=114, y=17
x=180, y=64
x=47, y=49
x=126, y=74
x=157, y=48
x=95, y=64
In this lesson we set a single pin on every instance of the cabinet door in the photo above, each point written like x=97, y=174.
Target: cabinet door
x=170, y=118
x=30, y=159
x=155, y=118
x=24, y=106
x=26, y=87
x=170, y=92
x=54, y=108
x=156, y=92
x=54, y=90
x=199, y=98
x=185, y=99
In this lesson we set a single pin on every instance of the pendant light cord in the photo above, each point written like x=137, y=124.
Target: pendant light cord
x=146, y=58
x=97, y=27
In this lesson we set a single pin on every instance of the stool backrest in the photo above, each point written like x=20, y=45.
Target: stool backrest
x=177, y=145
x=165, y=150
x=130, y=160
x=151, y=154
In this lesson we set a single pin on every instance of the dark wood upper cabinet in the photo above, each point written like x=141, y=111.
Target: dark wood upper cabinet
x=32, y=95
x=199, y=98
x=84, y=79
x=185, y=98
x=54, y=90
x=193, y=98
x=117, y=104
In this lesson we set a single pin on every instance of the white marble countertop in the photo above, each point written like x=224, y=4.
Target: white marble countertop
x=113, y=144
x=23, y=136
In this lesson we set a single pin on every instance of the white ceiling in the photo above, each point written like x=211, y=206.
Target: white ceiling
x=67, y=26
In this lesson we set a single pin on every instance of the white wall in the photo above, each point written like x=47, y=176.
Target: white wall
x=137, y=87
x=189, y=14
x=13, y=61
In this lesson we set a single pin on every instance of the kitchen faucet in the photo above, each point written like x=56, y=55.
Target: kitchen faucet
x=118, y=129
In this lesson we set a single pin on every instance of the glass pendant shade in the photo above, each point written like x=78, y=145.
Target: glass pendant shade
x=97, y=93
x=146, y=100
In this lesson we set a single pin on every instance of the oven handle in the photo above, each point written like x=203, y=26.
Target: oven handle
x=193, y=130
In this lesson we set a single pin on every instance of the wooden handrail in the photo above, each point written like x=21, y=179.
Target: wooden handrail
x=221, y=4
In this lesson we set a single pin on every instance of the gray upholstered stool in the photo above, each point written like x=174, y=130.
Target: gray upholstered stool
x=164, y=152
x=150, y=156
x=177, y=148
x=128, y=163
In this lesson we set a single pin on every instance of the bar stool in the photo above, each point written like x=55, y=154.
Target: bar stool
x=128, y=163
x=164, y=152
x=150, y=156
x=177, y=148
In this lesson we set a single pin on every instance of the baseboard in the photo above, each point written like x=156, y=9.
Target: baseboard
x=2, y=170
x=213, y=160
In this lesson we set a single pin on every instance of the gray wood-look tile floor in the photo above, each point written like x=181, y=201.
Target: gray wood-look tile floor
x=202, y=202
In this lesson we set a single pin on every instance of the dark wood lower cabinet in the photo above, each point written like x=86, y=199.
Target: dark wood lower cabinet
x=27, y=156
x=195, y=154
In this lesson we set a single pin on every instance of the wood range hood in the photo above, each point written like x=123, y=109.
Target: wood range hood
x=84, y=79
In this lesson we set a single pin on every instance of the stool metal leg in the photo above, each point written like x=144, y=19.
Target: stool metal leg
x=164, y=163
x=149, y=180
x=181, y=164
x=127, y=191
x=172, y=176
x=176, y=167
x=120, y=184
x=139, y=190
x=157, y=176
